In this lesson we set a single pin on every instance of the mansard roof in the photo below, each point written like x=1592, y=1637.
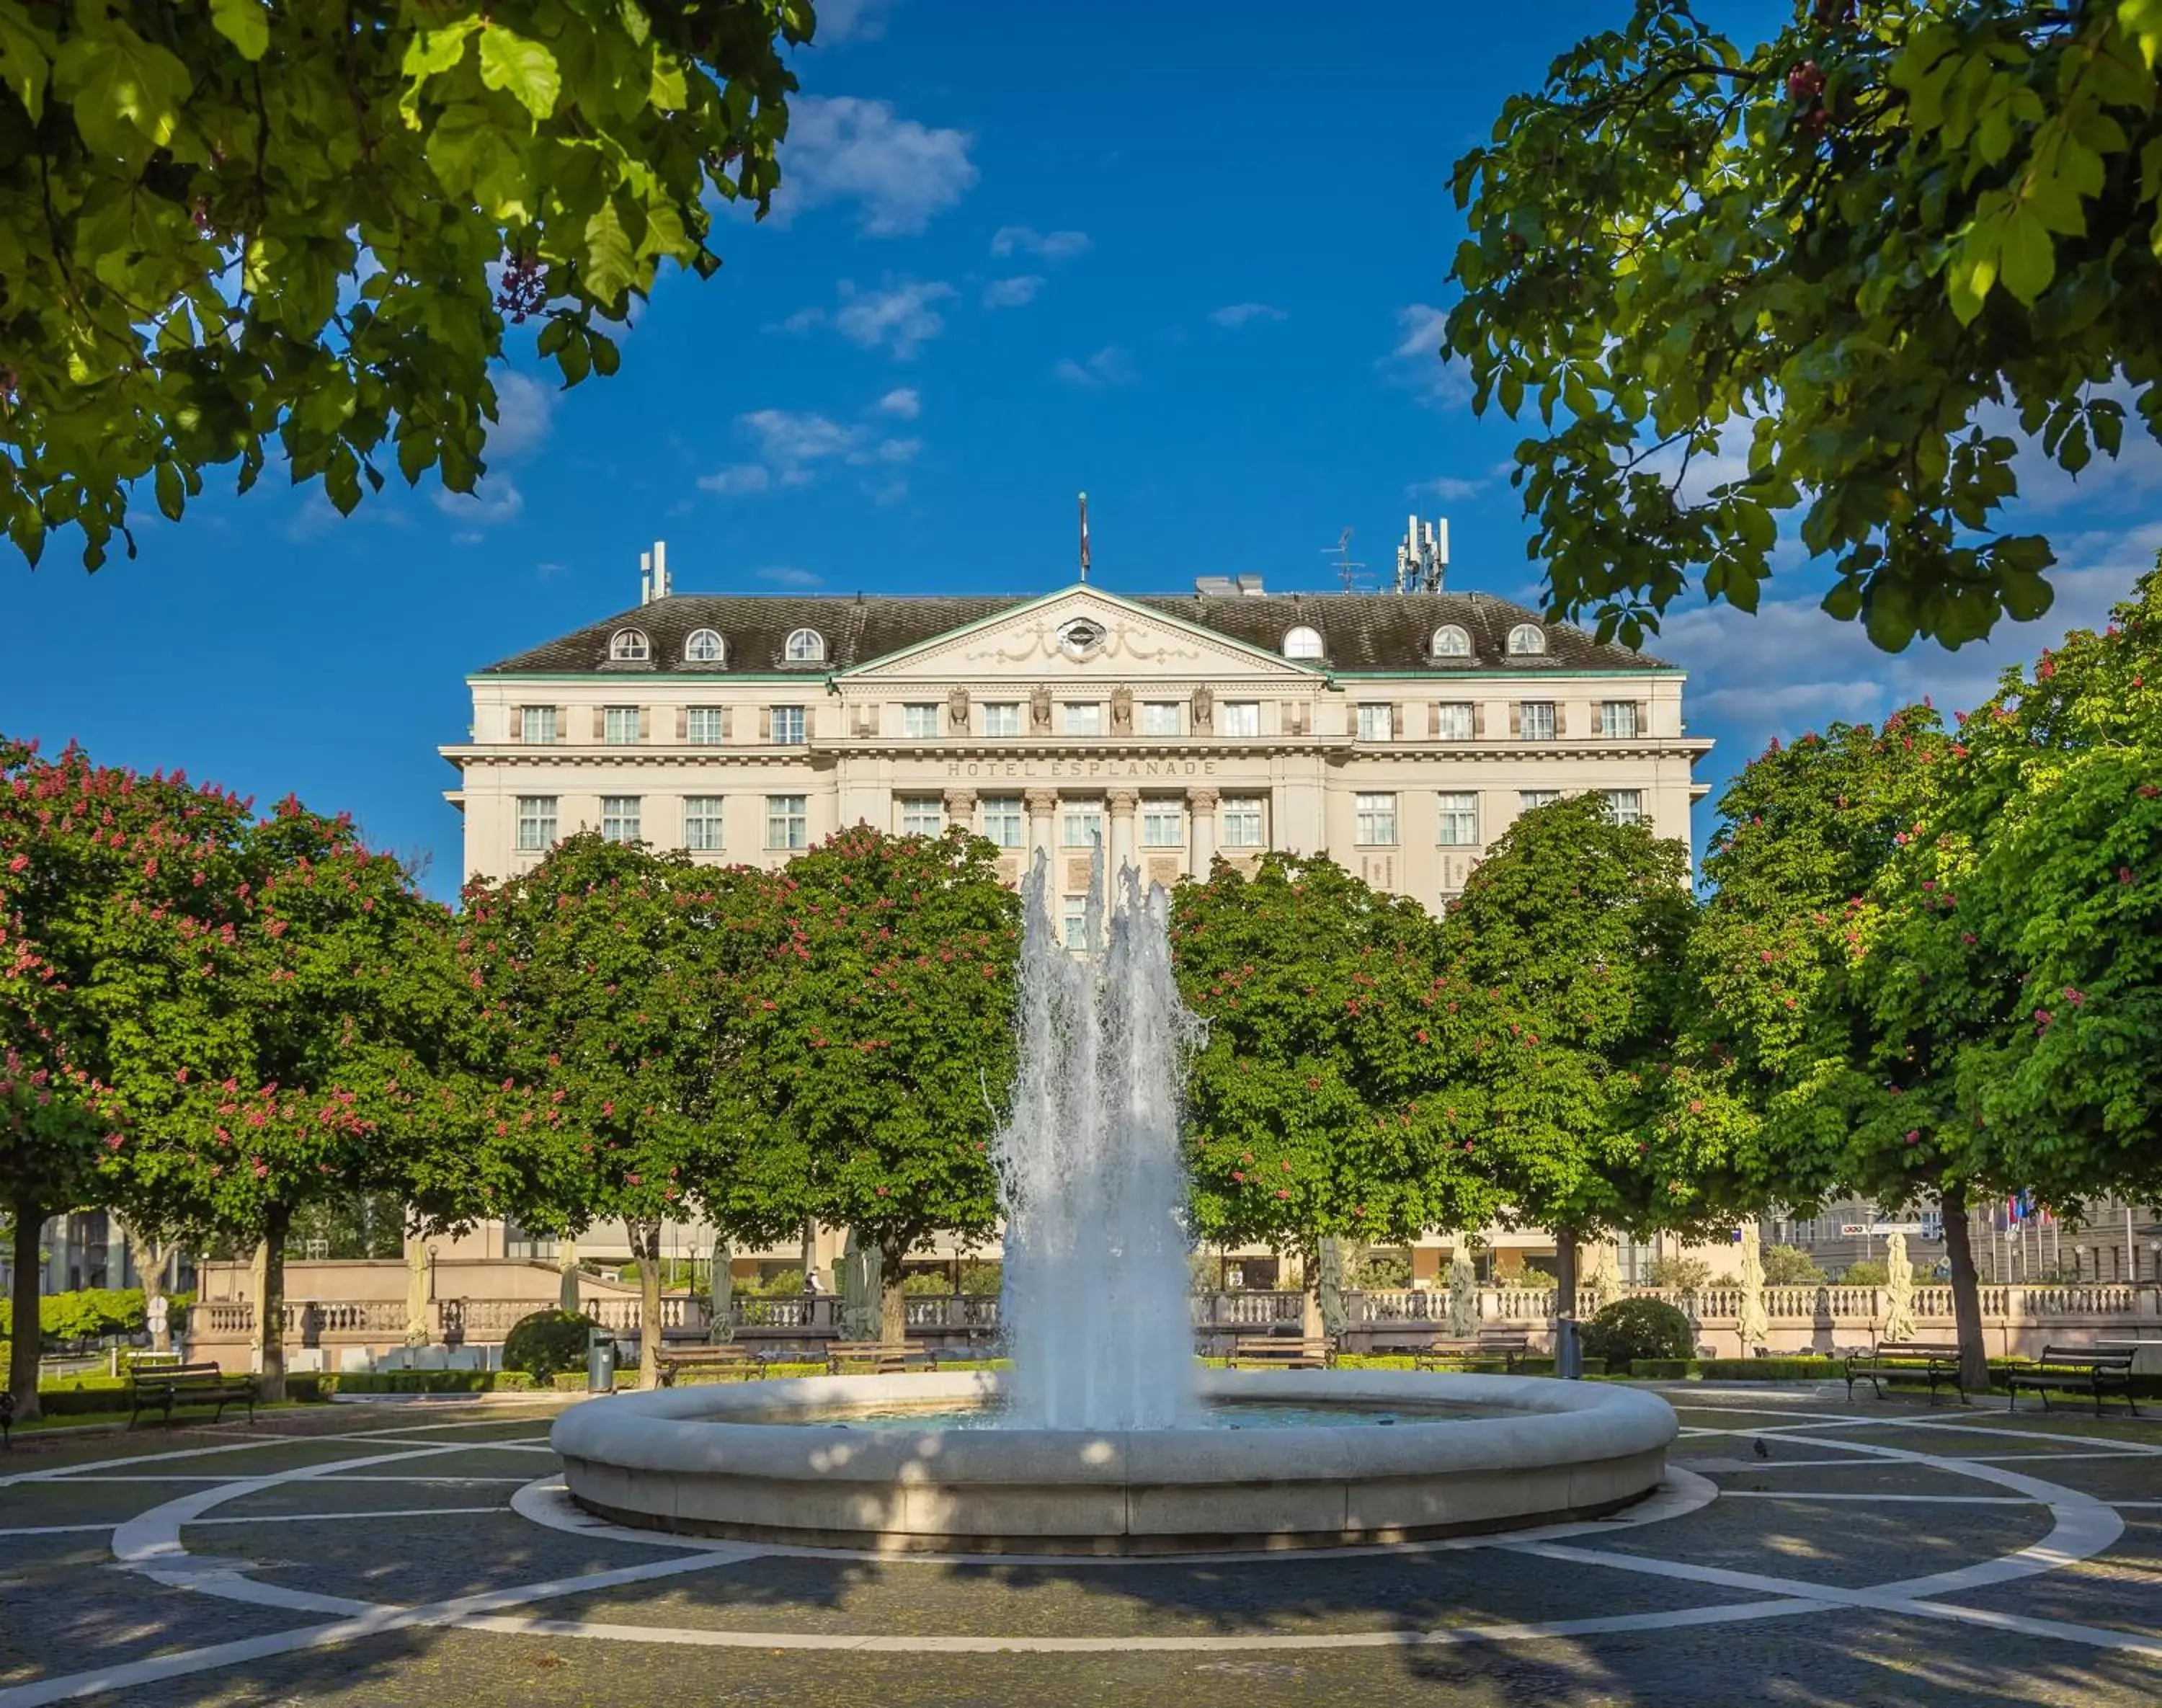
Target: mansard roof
x=1362, y=634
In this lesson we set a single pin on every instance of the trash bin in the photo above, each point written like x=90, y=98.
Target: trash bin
x=1569, y=1354
x=600, y=1361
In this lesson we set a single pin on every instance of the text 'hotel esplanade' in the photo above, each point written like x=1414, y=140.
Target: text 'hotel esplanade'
x=1399, y=733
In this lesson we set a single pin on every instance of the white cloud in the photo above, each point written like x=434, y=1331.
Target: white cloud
x=1790, y=668
x=1448, y=488
x=1415, y=362
x=493, y=500
x=795, y=445
x=522, y=408
x=1109, y=365
x=1045, y=245
x=900, y=317
x=1012, y=293
x=903, y=401
x=843, y=21
x=900, y=174
x=799, y=322
x=1239, y=314
x=780, y=575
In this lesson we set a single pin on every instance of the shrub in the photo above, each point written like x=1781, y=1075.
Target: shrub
x=89, y=1312
x=919, y=1281
x=1661, y=1369
x=1771, y=1369
x=1385, y=1269
x=434, y=1381
x=983, y=1280
x=1681, y=1274
x=1790, y=1265
x=1631, y=1329
x=1870, y=1271
x=545, y=1343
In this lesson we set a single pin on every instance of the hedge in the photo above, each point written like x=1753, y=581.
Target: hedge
x=81, y=1396
x=1771, y=1369
x=437, y=1381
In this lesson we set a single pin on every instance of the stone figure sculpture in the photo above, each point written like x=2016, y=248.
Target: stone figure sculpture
x=1463, y=1296
x=1899, y=1291
x=1039, y=710
x=957, y=708
x=1753, y=1326
x=1329, y=1288
x=1205, y=709
x=1122, y=710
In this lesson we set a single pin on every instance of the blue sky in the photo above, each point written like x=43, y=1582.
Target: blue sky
x=1190, y=259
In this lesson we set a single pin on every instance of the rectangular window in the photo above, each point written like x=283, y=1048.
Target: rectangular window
x=1454, y=722
x=1084, y=717
x=1161, y=718
x=536, y=823
x=1004, y=822
x=1376, y=723
x=1535, y=720
x=1618, y=718
x=920, y=815
x=537, y=724
x=919, y=721
x=1074, y=920
x=1163, y=824
x=620, y=725
x=1241, y=822
x=787, y=822
x=1082, y=826
x=702, y=824
x=1626, y=806
x=1460, y=821
x=1375, y=821
x=619, y=819
x=788, y=725
x=703, y=724
x=1002, y=718
x=1240, y=717
x=1527, y=799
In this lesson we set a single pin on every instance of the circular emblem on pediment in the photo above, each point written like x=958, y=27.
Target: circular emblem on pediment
x=1082, y=637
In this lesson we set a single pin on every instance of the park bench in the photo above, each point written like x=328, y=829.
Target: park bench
x=885, y=1357
x=160, y=1390
x=2088, y=1368
x=715, y=1360
x=1906, y=1360
x=1508, y=1344
x=1280, y=1352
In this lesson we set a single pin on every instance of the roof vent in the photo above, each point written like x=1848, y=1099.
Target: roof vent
x=1214, y=586
x=1251, y=585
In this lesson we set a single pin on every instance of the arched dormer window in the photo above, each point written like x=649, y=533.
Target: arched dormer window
x=1450, y=641
x=630, y=646
x=1527, y=640
x=1302, y=642
x=704, y=647
x=805, y=647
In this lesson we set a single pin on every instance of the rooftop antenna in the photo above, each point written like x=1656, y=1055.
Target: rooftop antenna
x=1085, y=539
x=1423, y=555
x=1347, y=569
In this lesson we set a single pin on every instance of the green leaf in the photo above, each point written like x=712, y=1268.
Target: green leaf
x=521, y=67
x=127, y=93
x=2029, y=255
x=2141, y=20
x=24, y=67
x=611, y=267
x=1844, y=601
x=668, y=92
x=243, y=22
x=171, y=496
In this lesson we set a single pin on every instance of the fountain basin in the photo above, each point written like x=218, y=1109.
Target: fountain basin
x=746, y=1460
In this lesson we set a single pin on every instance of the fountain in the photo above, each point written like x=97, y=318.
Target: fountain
x=1099, y=1439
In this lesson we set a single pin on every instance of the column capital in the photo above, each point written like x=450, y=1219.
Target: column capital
x=960, y=803
x=1202, y=800
x=1041, y=803
x=1123, y=801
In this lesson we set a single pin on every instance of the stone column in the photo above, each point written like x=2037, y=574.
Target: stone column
x=961, y=808
x=1201, y=830
x=1043, y=810
x=1120, y=853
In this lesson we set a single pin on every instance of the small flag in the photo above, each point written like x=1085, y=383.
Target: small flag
x=1084, y=536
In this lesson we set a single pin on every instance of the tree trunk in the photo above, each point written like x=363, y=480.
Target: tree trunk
x=645, y=1247
x=893, y=1300
x=151, y=1257
x=270, y=1304
x=23, y=1362
x=1565, y=1273
x=1966, y=1288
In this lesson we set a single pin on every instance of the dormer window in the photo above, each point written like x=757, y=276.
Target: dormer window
x=630, y=646
x=1527, y=640
x=704, y=647
x=1450, y=641
x=1303, y=643
x=805, y=647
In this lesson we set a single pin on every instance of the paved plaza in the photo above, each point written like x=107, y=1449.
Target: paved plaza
x=393, y=1554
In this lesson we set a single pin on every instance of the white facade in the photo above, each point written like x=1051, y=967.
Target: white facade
x=1039, y=723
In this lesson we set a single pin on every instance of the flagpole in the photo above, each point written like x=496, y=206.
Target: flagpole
x=1084, y=538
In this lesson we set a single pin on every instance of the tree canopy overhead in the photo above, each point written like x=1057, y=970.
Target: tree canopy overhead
x=224, y=224
x=1857, y=253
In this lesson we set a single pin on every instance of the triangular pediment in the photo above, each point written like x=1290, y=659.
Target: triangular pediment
x=1082, y=633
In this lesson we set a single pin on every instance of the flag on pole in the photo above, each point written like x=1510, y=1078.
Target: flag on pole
x=1084, y=536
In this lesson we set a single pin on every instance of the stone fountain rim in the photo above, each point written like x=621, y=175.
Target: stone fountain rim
x=692, y=1432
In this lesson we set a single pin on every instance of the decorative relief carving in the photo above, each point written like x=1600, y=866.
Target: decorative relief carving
x=1204, y=709
x=957, y=708
x=1123, y=802
x=1202, y=801
x=1039, y=709
x=1122, y=710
